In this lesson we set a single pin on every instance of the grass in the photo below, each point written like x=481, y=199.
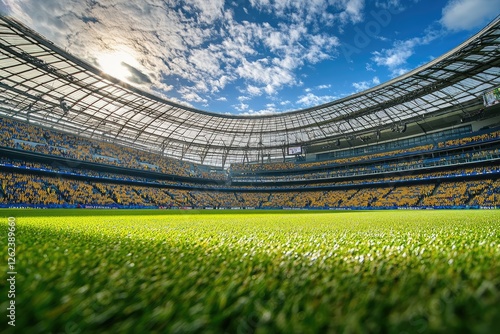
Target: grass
x=84, y=271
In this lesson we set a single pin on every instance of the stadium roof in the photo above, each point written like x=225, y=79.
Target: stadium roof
x=46, y=85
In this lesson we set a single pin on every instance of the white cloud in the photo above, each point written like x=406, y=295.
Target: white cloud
x=189, y=95
x=209, y=10
x=320, y=46
x=364, y=85
x=468, y=14
x=314, y=11
x=369, y=67
x=353, y=11
x=396, y=57
x=399, y=71
x=242, y=107
x=311, y=99
x=181, y=102
x=270, y=89
x=395, y=5
x=203, y=60
x=197, y=49
x=262, y=112
x=243, y=98
x=253, y=90
x=272, y=76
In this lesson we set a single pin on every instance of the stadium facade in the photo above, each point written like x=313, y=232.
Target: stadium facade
x=429, y=138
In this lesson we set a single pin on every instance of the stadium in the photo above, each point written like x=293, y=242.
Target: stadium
x=376, y=212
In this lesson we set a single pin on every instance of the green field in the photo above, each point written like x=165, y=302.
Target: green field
x=83, y=271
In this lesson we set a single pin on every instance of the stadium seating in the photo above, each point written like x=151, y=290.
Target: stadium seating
x=27, y=137
x=448, y=173
x=35, y=190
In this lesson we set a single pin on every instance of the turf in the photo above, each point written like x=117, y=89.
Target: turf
x=84, y=271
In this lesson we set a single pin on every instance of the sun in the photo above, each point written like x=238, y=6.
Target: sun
x=113, y=64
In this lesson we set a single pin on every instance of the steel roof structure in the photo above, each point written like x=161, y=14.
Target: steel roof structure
x=45, y=85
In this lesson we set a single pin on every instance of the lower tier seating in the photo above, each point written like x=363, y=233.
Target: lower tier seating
x=48, y=191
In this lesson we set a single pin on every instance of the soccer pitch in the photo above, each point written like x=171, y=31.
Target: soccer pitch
x=91, y=271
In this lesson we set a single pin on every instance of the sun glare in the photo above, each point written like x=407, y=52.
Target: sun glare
x=113, y=64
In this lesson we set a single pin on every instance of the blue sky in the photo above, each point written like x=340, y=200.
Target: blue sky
x=259, y=56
